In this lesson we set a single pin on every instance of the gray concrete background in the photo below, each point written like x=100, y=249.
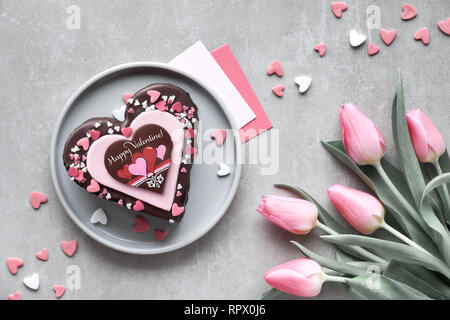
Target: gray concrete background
x=43, y=63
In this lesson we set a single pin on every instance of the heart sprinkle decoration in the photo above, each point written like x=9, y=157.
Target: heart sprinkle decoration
x=445, y=26
x=93, y=187
x=59, y=290
x=408, y=12
x=32, y=281
x=70, y=247
x=83, y=142
x=119, y=114
x=99, y=216
x=42, y=255
x=356, y=38
x=224, y=170
x=388, y=36
x=423, y=35
x=321, y=48
x=275, y=67
x=160, y=235
x=141, y=225
x=37, y=198
x=278, y=90
x=372, y=49
x=14, y=264
x=338, y=8
x=126, y=131
x=219, y=135
x=138, y=206
x=15, y=296
x=176, y=210
x=127, y=97
x=304, y=82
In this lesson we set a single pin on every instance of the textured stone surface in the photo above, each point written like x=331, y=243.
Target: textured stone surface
x=43, y=62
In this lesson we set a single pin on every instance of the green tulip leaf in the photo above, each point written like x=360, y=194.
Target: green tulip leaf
x=271, y=294
x=434, y=184
x=431, y=173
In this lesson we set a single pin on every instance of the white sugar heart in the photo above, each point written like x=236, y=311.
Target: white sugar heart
x=32, y=281
x=356, y=38
x=119, y=114
x=224, y=170
x=99, y=216
x=304, y=82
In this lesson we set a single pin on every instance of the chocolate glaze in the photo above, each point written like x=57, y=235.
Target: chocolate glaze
x=166, y=90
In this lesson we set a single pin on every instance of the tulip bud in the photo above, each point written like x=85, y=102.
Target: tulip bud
x=363, y=142
x=292, y=214
x=301, y=277
x=426, y=138
x=363, y=211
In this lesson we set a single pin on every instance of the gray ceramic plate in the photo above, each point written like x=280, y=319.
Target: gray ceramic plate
x=209, y=196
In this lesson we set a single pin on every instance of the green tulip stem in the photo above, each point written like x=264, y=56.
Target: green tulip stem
x=413, y=212
x=401, y=236
x=335, y=279
x=365, y=253
x=444, y=186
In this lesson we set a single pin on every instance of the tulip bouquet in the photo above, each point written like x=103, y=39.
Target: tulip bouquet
x=412, y=203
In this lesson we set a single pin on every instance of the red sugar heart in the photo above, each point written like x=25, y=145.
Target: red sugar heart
x=80, y=176
x=154, y=95
x=408, y=12
x=160, y=235
x=14, y=264
x=37, y=198
x=176, y=210
x=138, y=206
x=95, y=134
x=15, y=296
x=73, y=172
x=126, y=131
x=445, y=26
x=126, y=97
x=338, y=8
x=70, y=247
x=161, y=106
x=388, y=36
x=423, y=35
x=93, y=187
x=141, y=225
x=183, y=170
x=373, y=49
x=59, y=290
x=177, y=106
x=275, y=67
x=42, y=255
x=83, y=142
x=321, y=48
x=278, y=90
x=189, y=133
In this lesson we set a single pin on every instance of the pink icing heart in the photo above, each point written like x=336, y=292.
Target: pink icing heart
x=161, y=106
x=372, y=49
x=219, y=135
x=126, y=131
x=59, y=290
x=37, y=198
x=189, y=133
x=154, y=95
x=80, y=176
x=424, y=35
x=84, y=142
x=95, y=134
x=161, y=152
x=141, y=225
x=179, y=194
x=70, y=247
x=277, y=90
x=15, y=296
x=120, y=202
x=190, y=150
x=130, y=111
x=160, y=235
x=139, y=168
x=388, y=36
x=93, y=187
x=126, y=97
x=177, y=106
x=338, y=7
x=445, y=26
x=176, y=210
x=138, y=206
x=72, y=172
x=183, y=170
x=14, y=264
x=408, y=12
x=275, y=67
x=42, y=255
x=321, y=48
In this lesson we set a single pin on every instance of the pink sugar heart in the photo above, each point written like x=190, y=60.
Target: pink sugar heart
x=120, y=202
x=190, y=150
x=445, y=26
x=189, y=133
x=59, y=290
x=161, y=151
x=14, y=264
x=179, y=194
x=15, y=296
x=141, y=225
x=219, y=135
x=138, y=206
x=372, y=49
x=183, y=170
x=130, y=111
x=423, y=35
x=37, y=198
x=321, y=48
x=126, y=97
x=338, y=8
x=93, y=186
x=70, y=247
x=80, y=176
x=388, y=36
x=42, y=255
x=72, y=172
x=95, y=134
x=176, y=210
x=161, y=106
x=154, y=95
x=139, y=168
x=275, y=67
x=278, y=90
x=126, y=131
x=83, y=157
x=408, y=12
x=84, y=142
x=160, y=235
x=177, y=106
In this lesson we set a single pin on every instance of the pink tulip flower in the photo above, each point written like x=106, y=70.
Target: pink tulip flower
x=292, y=214
x=363, y=211
x=363, y=142
x=426, y=138
x=301, y=277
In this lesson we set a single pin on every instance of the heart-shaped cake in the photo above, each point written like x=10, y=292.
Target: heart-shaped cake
x=144, y=162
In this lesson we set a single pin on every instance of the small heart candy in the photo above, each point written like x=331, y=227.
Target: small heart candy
x=408, y=12
x=321, y=48
x=126, y=97
x=93, y=187
x=59, y=290
x=141, y=225
x=70, y=247
x=356, y=38
x=15, y=296
x=176, y=210
x=37, y=198
x=219, y=135
x=338, y=8
x=224, y=170
x=372, y=49
x=95, y=134
x=278, y=90
x=126, y=131
x=388, y=36
x=42, y=255
x=275, y=67
x=423, y=35
x=154, y=95
x=99, y=216
x=83, y=142
x=119, y=114
x=32, y=281
x=445, y=26
x=14, y=264
x=304, y=82
x=138, y=206
x=160, y=235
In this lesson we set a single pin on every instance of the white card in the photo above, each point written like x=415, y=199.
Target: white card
x=199, y=62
